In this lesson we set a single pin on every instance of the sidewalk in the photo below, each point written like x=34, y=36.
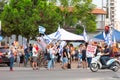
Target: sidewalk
x=57, y=66
x=74, y=65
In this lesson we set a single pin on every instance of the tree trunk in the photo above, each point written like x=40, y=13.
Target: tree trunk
x=17, y=37
x=28, y=40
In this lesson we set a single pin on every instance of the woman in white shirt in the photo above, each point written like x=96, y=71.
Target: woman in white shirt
x=34, y=56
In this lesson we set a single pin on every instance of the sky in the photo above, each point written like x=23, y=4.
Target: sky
x=99, y=3
x=117, y=6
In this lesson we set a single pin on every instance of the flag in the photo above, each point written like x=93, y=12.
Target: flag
x=62, y=44
x=104, y=35
x=42, y=42
x=48, y=40
x=42, y=29
x=114, y=41
x=57, y=35
x=108, y=39
x=85, y=35
x=24, y=43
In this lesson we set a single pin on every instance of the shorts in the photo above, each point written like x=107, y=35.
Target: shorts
x=80, y=56
x=65, y=60
x=35, y=59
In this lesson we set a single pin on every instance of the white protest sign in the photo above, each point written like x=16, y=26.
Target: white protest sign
x=91, y=50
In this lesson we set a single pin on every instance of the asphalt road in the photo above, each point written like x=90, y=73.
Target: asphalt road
x=57, y=74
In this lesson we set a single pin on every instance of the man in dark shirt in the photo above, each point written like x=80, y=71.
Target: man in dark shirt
x=106, y=56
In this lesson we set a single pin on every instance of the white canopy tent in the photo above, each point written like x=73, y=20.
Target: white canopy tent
x=65, y=35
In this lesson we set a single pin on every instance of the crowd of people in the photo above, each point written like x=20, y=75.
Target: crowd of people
x=53, y=53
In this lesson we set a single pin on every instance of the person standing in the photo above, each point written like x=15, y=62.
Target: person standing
x=30, y=50
x=35, y=56
x=18, y=57
x=84, y=61
x=90, y=52
x=79, y=54
x=11, y=57
x=30, y=53
x=51, y=54
x=49, y=64
x=26, y=52
x=65, y=58
x=21, y=52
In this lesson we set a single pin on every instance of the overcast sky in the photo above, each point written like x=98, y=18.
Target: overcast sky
x=99, y=3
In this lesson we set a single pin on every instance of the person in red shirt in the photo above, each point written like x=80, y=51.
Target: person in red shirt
x=37, y=48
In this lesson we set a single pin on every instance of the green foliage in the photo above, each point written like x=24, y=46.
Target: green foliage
x=80, y=12
x=22, y=17
x=50, y=16
x=2, y=4
x=83, y=14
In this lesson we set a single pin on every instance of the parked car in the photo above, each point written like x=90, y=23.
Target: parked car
x=4, y=55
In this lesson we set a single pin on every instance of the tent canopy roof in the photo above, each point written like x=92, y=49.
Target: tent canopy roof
x=115, y=34
x=67, y=36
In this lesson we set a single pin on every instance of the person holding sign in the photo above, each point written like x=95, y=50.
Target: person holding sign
x=90, y=52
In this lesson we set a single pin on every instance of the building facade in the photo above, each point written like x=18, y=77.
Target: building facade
x=114, y=13
x=100, y=12
x=112, y=7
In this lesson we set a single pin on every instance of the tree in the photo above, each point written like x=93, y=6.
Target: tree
x=68, y=16
x=50, y=16
x=2, y=4
x=23, y=17
x=83, y=12
x=20, y=18
x=75, y=11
